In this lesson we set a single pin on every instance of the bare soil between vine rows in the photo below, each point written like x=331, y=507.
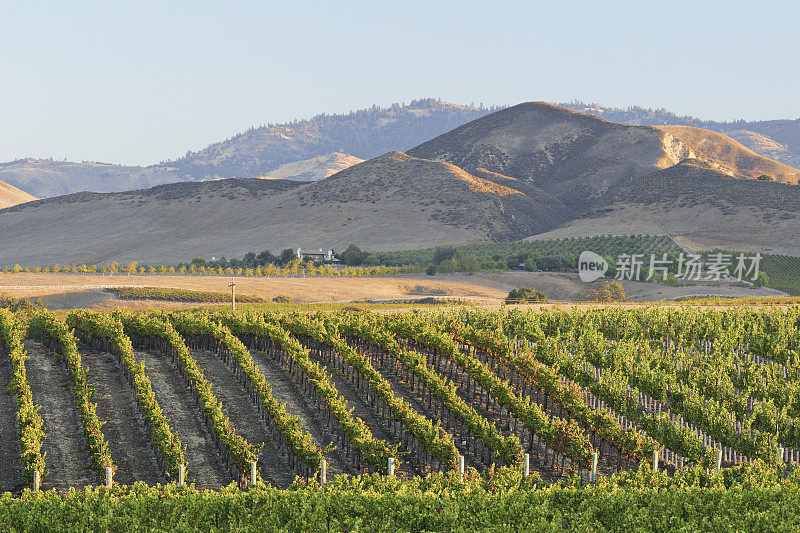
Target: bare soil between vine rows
x=67, y=461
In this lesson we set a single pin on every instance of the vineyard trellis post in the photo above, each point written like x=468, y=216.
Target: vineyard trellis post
x=593, y=475
x=461, y=467
x=253, y=473
x=109, y=476
x=391, y=466
x=181, y=475
x=526, y=469
x=36, y=480
x=232, y=285
x=323, y=472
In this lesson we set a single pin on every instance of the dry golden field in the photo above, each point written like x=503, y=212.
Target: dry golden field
x=66, y=291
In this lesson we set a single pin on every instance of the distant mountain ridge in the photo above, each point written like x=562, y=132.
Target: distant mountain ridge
x=365, y=134
x=361, y=134
x=316, y=168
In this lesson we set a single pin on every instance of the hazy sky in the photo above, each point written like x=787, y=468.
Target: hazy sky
x=139, y=82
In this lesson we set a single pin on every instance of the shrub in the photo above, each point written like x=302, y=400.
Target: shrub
x=525, y=295
x=607, y=291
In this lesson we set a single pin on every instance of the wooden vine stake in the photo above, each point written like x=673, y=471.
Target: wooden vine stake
x=253, y=472
x=656, y=454
x=181, y=475
x=719, y=459
x=593, y=475
x=391, y=466
x=526, y=465
x=323, y=472
x=461, y=467
x=109, y=477
x=36, y=480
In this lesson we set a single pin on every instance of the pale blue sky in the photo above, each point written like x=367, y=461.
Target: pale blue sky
x=138, y=82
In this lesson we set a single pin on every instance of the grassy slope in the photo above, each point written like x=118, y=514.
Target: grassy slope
x=730, y=156
x=10, y=196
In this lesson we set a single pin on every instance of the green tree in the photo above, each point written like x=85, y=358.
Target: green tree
x=287, y=256
x=762, y=280
x=249, y=259
x=352, y=256
x=443, y=253
x=467, y=263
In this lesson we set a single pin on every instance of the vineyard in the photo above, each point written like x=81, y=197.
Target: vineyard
x=547, y=401
x=783, y=271
x=516, y=252
x=178, y=295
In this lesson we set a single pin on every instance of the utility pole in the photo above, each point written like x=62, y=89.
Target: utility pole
x=232, y=285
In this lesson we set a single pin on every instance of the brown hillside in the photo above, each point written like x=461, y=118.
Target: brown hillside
x=729, y=156
x=10, y=195
x=391, y=202
x=573, y=156
x=578, y=158
x=696, y=203
x=400, y=186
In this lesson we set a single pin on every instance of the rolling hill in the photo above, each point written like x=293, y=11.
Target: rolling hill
x=572, y=156
x=775, y=139
x=10, y=195
x=531, y=169
x=579, y=157
x=390, y=202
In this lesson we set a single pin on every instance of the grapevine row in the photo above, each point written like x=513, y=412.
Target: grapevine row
x=508, y=449
x=679, y=441
x=255, y=331
x=561, y=435
x=642, y=368
x=428, y=435
x=161, y=334
x=55, y=334
x=94, y=327
x=29, y=422
x=528, y=371
x=202, y=331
